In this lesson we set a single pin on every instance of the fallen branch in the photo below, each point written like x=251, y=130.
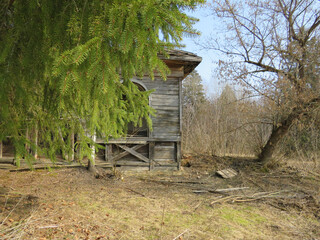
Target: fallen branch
x=230, y=189
x=50, y=226
x=253, y=197
x=219, y=190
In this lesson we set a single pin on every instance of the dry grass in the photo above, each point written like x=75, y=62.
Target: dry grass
x=71, y=204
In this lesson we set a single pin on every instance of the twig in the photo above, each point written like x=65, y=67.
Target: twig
x=162, y=220
x=230, y=189
x=131, y=190
x=196, y=207
x=313, y=173
x=221, y=199
x=11, y=211
x=177, y=237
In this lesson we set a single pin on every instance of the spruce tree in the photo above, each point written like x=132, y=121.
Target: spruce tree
x=65, y=67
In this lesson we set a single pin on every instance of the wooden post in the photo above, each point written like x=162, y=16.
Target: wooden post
x=108, y=152
x=106, y=155
x=178, y=146
x=0, y=149
x=151, y=155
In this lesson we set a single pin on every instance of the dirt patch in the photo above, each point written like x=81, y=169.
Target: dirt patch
x=72, y=204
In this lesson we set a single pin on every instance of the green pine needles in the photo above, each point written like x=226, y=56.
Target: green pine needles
x=65, y=67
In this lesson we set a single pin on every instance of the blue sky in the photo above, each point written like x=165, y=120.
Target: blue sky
x=207, y=67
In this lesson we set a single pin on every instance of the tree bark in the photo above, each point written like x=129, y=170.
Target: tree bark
x=35, y=154
x=92, y=163
x=280, y=131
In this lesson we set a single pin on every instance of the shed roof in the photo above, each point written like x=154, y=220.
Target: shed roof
x=187, y=59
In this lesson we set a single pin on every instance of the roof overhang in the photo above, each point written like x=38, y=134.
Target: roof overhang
x=188, y=60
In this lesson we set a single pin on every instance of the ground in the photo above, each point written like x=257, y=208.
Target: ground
x=281, y=203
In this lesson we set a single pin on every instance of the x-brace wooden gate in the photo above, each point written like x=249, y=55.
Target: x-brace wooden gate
x=130, y=149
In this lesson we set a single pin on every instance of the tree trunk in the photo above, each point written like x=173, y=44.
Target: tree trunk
x=279, y=132
x=35, y=154
x=276, y=135
x=92, y=163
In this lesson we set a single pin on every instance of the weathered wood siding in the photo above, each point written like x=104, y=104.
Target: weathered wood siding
x=166, y=101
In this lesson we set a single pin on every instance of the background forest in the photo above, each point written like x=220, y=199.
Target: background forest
x=232, y=124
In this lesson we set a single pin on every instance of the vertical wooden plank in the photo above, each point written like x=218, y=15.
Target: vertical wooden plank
x=151, y=155
x=180, y=107
x=178, y=146
x=108, y=152
x=0, y=149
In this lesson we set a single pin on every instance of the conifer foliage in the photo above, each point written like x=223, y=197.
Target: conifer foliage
x=65, y=67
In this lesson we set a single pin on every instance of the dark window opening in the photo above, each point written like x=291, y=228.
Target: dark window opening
x=138, y=131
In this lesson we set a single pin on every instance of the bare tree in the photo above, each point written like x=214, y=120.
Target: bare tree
x=273, y=50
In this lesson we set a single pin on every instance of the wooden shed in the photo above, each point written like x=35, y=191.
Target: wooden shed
x=143, y=149
x=161, y=148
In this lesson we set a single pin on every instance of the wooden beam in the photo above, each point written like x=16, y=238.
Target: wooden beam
x=151, y=155
x=134, y=153
x=127, y=141
x=125, y=153
x=108, y=153
x=178, y=144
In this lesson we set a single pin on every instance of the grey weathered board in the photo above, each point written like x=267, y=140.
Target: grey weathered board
x=227, y=173
x=165, y=100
